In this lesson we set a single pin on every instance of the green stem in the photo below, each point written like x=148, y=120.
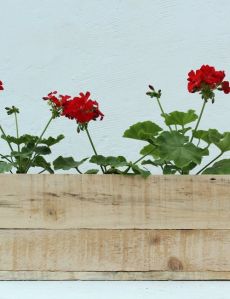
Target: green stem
x=213, y=160
x=4, y=157
x=4, y=134
x=78, y=170
x=198, y=121
x=42, y=171
x=138, y=160
x=10, y=146
x=93, y=147
x=141, y=158
x=17, y=133
x=37, y=142
x=163, y=113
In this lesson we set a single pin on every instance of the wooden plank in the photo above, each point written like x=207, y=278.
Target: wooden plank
x=112, y=276
x=117, y=202
x=115, y=250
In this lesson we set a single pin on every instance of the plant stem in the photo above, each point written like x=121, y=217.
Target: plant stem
x=4, y=157
x=4, y=134
x=141, y=158
x=213, y=160
x=94, y=149
x=10, y=146
x=42, y=171
x=78, y=170
x=198, y=121
x=17, y=133
x=37, y=142
x=138, y=160
x=163, y=113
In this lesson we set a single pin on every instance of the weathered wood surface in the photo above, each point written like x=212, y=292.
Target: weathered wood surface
x=117, y=202
x=71, y=227
x=98, y=276
x=115, y=250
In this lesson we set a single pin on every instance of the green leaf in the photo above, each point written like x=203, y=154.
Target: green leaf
x=119, y=161
x=42, y=150
x=113, y=170
x=5, y=167
x=92, y=171
x=220, y=167
x=24, y=139
x=39, y=161
x=210, y=136
x=25, y=153
x=150, y=150
x=189, y=167
x=174, y=146
x=51, y=140
x=183, y=131
x=12, y=110
x=143, y=131
x=156, y=163
x=180, y=118
x=224, y=143
x=137, y=170
x=170, y=169
x=66, y=163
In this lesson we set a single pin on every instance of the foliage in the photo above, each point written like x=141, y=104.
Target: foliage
x=178, y=147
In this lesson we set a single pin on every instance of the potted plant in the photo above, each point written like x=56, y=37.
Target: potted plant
x=129, y=224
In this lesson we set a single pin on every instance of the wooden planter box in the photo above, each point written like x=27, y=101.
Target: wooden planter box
x=93, y=227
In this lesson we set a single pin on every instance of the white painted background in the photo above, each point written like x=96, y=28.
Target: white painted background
x=114, y=49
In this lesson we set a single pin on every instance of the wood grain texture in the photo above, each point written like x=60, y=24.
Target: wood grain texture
x=92, y=227
x=115, y=250
x=116, y=202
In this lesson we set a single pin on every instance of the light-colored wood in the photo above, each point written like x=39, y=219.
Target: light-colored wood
x=117, y=202
x=115, y=250
x=92, y=227
x=112, y=276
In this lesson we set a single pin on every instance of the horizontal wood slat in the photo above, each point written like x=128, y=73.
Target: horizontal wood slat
x=111, y=276
x=115, y=250
x=94, y=227
x=114, y=202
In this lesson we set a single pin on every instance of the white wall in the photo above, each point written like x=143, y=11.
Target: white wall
x=114, y=49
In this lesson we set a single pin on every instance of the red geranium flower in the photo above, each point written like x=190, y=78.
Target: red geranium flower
x=205, y=77
x=56, y=100
x=225, y=87
x=1, y=86
x=82, y=109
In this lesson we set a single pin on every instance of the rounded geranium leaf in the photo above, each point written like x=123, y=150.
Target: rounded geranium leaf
x=224, y=143
x=92, y=171
x=220, y=167
x=66, y=163
x=180, y=118
x=173, y=146
x=150, y=150
x=209, y=136
x=5, y=167
x=51, y=140
x=143, y=131
x=112, y=161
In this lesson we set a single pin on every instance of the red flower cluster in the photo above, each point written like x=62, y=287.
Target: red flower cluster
x=56, y=100
x=207, y=77
x=1, y=86
x=225, y=86
x=80, y=108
